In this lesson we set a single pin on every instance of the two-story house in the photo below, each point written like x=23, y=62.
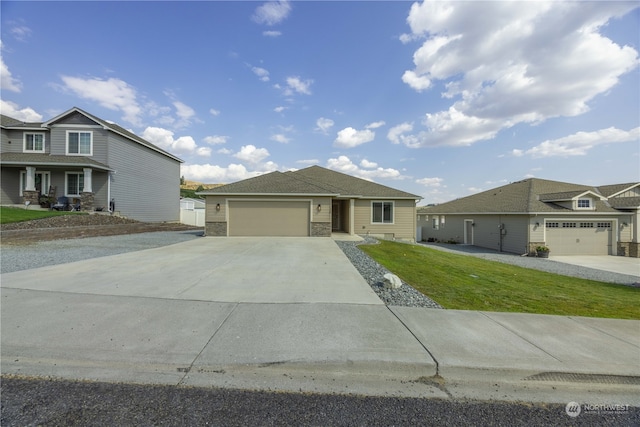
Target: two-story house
x=93, y=162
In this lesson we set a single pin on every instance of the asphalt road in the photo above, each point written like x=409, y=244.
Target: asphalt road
x=67, y=403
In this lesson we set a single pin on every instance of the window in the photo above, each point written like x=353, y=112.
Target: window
x=568, y=225
x=382, y=212
x=33, y=142
x=552, y=224
x=436, y=222
x=80, y=143
x=586, y=225
x=604, y=225
x=42, y=182
x=584, y=203
x=442, y=221
x=74, y=183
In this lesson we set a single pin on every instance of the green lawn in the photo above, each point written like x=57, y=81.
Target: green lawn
x=8, y=215
x=469, y=283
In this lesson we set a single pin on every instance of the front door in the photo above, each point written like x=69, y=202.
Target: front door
x=336, y=219
x=42, y=180
x=468, y=232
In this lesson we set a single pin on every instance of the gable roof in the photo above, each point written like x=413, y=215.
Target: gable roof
x=532, y=195
x=313, y=180
x=11, y=123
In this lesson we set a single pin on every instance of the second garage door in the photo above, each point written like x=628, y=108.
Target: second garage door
x=269, y=218
x=579, y=238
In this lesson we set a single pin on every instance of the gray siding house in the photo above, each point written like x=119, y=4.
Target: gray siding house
x=309, y=202
x=90, y=161
x=570, y=219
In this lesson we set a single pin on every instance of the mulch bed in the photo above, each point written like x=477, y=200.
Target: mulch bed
x=79, y=226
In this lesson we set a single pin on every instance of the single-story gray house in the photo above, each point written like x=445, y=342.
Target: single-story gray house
x=309, y=202
x=90, y=161
x=570, y=219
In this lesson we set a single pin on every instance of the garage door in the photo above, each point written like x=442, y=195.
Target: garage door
x=579, y=237
x=268, y=218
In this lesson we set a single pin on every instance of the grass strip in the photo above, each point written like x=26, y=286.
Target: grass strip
x=468, y=283
x=8, y=214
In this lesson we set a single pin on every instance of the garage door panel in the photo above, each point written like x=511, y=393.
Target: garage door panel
x=269, y=218
x=579, y=241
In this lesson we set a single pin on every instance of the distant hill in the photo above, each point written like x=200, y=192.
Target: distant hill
x=194, y=185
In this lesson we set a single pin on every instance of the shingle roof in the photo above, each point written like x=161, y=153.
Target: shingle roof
x=625, y=202
x=31, y=159
x=10, y=122
x=313, y=180
x=518, y=197
x=609, y=190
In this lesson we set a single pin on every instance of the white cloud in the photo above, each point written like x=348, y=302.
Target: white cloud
x=395, y=134
x=251, y=154
x=20, y=31
x=517, y=153
x=12, y=110
x=350, y=137
x=262, y=74
x=214, y=112
x=224, y=151
x=215, y=174
x=114, y=94
x=297, y=85
x=345, y=165
x=323, y=125
x=367, y=164
x=580, y=143
x=272, y=12
x=281, y=138
x=430, y=182
x=7, y=81
x=271, y=33
x=530, y=62
x=185, y=114
x=279, y=109
x=375, y=125
x=203, y=151
x=216, y=139
x=163, y=138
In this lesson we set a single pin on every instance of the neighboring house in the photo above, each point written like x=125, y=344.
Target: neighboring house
x=192, y=211
x=570, y=219
x=310, y=202
x=91, y=161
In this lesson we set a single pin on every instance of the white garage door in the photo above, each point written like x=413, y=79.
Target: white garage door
x=579, y=237
x=269, y=218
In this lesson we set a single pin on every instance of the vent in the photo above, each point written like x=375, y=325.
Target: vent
x=584, y=378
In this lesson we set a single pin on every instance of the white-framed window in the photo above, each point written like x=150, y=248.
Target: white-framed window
x=436, y=222
x=73, y=183
x=584, y=203
x=604, y=225
x=79, y=143
x=33, y=142
x=42, y=182
x=382, y=212
x=586, y=225
x=569, y=225
x=552, y=224
x=442, y=221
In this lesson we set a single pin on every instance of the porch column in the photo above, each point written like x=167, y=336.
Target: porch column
x=352, y=216
x=30, y=185
x=87, y=180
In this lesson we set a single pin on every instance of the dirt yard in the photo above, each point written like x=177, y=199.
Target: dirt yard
x=79, y=226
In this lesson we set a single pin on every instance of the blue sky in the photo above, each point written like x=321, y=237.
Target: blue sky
x=441, y=99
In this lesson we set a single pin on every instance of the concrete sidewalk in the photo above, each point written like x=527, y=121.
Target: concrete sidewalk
x=294, y=315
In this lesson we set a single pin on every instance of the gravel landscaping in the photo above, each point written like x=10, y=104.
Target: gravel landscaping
x=373, y=273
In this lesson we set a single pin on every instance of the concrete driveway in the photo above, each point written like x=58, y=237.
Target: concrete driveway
x=235, y=269
x=614, y=264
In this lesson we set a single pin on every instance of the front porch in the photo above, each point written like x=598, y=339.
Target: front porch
x=342, y=219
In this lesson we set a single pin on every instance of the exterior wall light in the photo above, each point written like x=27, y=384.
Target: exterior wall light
x=218, y=207
x=319, y=207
